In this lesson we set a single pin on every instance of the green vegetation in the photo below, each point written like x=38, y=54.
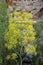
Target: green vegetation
x=3, y=26
x=19, y=38
x=39, y=31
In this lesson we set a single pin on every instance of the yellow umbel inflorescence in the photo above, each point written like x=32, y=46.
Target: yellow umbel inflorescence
x=20, y=30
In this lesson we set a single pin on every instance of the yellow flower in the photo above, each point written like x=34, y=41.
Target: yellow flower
x=14, y=56
x=16, y=13
x=30, y=26
x=8, y=57
x=30, y=48
x=10, y=46
x=31, y=38
x=25, y=40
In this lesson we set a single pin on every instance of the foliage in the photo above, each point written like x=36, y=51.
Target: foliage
x=3, y=10
x=39, y=32
x=39, y=35
x=3, y=26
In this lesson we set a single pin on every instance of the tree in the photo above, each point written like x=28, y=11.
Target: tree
x=19, y=36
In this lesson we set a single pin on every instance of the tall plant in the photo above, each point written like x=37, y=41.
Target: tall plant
x=20, y=36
